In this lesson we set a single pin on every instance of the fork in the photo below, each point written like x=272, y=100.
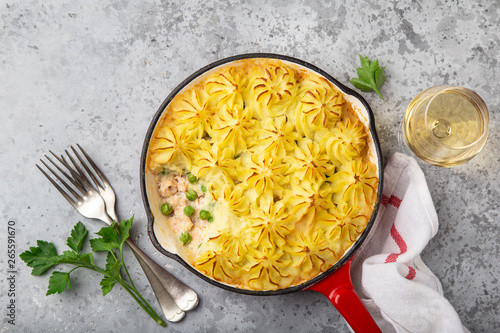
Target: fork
x=173, y=295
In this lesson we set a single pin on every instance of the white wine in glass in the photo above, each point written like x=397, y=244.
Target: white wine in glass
x=446, y=125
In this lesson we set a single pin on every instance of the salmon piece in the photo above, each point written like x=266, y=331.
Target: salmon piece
x=182, y=184
x=177, y=202
x=179, y=221
x=167, y=187
x=198, y=232
x=171, y=184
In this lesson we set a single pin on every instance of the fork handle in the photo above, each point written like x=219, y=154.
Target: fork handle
x=170, y=309
x=185, y=298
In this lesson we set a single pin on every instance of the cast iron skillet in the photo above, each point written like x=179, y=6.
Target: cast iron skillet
x=335, y=283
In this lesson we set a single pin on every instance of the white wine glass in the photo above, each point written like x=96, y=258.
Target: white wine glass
x=445, y=125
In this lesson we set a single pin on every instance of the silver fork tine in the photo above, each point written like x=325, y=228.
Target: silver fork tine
x=79, y=172
x=94, y=179
x=94, y=166
x=75, y=178
x=64, y=193
x=76, y=183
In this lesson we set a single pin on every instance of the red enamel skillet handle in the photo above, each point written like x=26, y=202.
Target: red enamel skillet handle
x=339, y=290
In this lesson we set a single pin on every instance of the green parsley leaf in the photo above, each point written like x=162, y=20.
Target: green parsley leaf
x=113, y=267
x=40, y=258
x=108, y=240
x=110, y=261
x=58, y=282
x=124, y=230
x=371, y=76
x=45, y=256
x=114, y=271
x=107, y=283
x=77, y=259
x=78, y=235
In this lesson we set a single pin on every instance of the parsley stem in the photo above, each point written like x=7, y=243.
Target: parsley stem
x=145, y=306
x=125, y=267
x=138, y=294
x=146, y=302
x=131, y=290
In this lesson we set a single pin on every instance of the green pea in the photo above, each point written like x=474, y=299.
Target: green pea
x=185, y=237
x=203, y=188
x=192, y=178
x=191, y=195
x=189, y=210
x=205, y=214
x=210, y=219
x=166, y=209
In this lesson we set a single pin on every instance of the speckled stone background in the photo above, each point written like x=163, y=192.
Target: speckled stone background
x=94, y=73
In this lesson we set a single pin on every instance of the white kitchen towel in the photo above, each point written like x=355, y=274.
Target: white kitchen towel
x=397, y=288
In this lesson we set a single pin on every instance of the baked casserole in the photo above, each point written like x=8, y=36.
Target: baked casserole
x=263, y=173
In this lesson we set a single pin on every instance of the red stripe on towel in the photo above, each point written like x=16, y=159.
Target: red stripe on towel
x=411, y=273
x=393, y=200
x=391, y=257
x=401, y=244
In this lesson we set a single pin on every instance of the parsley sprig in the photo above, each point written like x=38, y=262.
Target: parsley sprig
x=111, y=240
x=370, y=76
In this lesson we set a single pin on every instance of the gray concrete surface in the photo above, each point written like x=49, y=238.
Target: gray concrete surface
x=95, y=72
